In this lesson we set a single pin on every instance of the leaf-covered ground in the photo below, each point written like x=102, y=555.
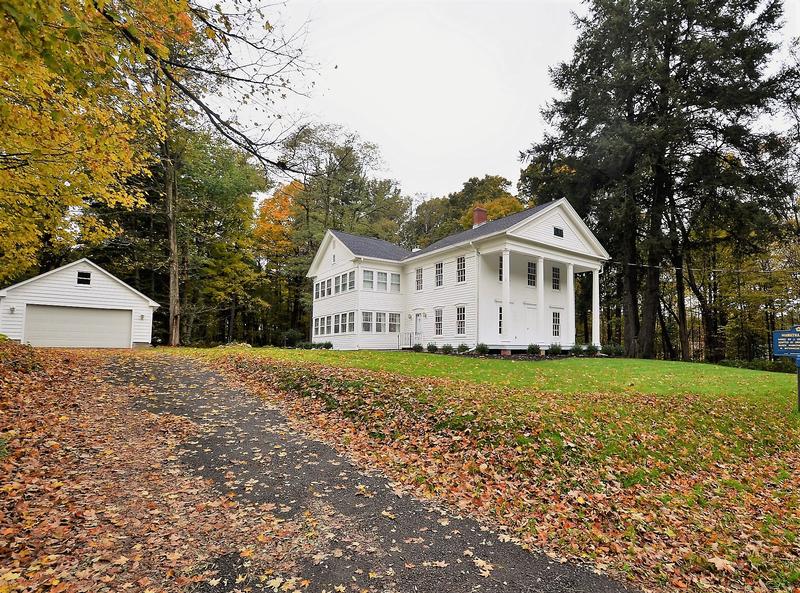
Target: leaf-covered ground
x=675, y=490
x=93, y=496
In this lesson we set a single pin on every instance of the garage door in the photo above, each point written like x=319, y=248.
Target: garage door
x=77, y=327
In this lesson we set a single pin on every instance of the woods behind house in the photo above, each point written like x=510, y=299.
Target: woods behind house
x=674, y=132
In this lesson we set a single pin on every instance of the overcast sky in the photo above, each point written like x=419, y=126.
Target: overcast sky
x=448, y=90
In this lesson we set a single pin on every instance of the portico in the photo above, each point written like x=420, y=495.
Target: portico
x=527, y=296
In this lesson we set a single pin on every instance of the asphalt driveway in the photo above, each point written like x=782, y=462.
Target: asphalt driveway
x=375, y=539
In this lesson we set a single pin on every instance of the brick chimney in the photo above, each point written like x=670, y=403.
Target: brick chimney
x=478, y=216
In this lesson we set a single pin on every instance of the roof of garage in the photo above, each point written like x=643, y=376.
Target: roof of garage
x=83, y=261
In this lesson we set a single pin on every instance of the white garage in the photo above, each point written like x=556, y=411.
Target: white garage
x=79, y=305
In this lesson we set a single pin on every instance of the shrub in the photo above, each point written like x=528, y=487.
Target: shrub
x=318, y=345
x=417, y=348
x=554, y=350
x=433, y=348
x=591, y=349
x=779, y=365
x=534, y=350
x=447, y=349
x=576, y=350
x=482, y=349
x=613, y=350
x=304, y=345
x=327, y=345
x=462, y=348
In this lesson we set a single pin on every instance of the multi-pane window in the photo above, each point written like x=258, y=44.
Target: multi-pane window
x=380, y=322
x=351, y=277
x=500, y=320
x=394, y=323
x=366, y=321
x=556, y=278
x=336, y=324
x=316, y=290
x=368, y=280
x=328, y=287
x=395, y=282
x=337, y=284
x=558, y=231
x=500, y=269
x=439, y=273
x=419, y=278
x=461, y=320
x=328, y=324
x=531, y=273
x=556, y=324
x=351, y=322
x=84, y=278
x=382, y=281
x=316, y=326
x=461, y=269
x=437, y=322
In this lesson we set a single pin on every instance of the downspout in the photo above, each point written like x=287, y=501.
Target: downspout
x=359, y=260
x=477, y=293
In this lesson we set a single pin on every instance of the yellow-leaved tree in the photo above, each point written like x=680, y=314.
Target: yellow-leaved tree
x=71, y=110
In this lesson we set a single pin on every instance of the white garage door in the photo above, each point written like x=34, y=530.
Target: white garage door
x=77, y=327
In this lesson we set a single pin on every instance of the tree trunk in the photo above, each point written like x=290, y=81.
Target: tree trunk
x=174, y=261
x=630, y=279
x=680, y=294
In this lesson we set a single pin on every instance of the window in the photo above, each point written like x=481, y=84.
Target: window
x=366, y=321
x=394, y=323
x=316, y=326
x=328, y=323
x=395, y=282
x=499, y=320
x=84, y=278
x=382, y=281
x=333, y=258
x=328, y=287
x=337, y=285
x=351, y=280
x=556, y=324
x=461, y=269
x=380, y=322
x=531, y=273
x=419, y=278
x=367, y=279
x=336, y=323
x=316, y=290
x=558, y=231
x=461, y=320
x=351, y=322
x=500, y=269
x=437, y=322
x=439, y=273
x=556, y=278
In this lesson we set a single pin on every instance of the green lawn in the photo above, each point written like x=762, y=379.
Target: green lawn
x=568, y=375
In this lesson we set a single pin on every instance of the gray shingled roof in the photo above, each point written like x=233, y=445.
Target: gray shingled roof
x=488, y=228
x=371, y=247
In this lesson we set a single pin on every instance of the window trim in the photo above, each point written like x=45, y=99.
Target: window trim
x=462, y=321
x=389, y=323
x=438, y=274
x=392, y=276
x=558, y=232
x=83, y=278
x=438, y=321
x=556, y=324
x=369, y=324
x=418, y=279
x=500, y=270
x=385, y=281
x=532, y=275
x=555, y=278
x=364, y=279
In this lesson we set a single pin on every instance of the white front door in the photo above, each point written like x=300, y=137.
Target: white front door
x=418, y=325
x=530, y=324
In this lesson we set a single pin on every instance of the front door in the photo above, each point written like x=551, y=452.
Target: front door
x=418, y=326
x=530, y=324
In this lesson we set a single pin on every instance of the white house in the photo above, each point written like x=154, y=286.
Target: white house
x=77, y=305
x=506, y=283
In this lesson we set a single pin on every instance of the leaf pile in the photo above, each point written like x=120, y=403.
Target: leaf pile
x=676, y=492
x=93, y=496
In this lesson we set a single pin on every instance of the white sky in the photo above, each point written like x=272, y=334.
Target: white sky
x=447, y=89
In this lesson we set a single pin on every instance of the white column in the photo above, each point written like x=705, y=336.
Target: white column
x=542, y=335
x=506, y=294
x=570, y=334
x=596, y=307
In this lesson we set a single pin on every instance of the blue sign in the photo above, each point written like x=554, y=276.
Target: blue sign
x=786, y=342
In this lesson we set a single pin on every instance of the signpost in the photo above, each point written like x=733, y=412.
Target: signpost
x=786, y=342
